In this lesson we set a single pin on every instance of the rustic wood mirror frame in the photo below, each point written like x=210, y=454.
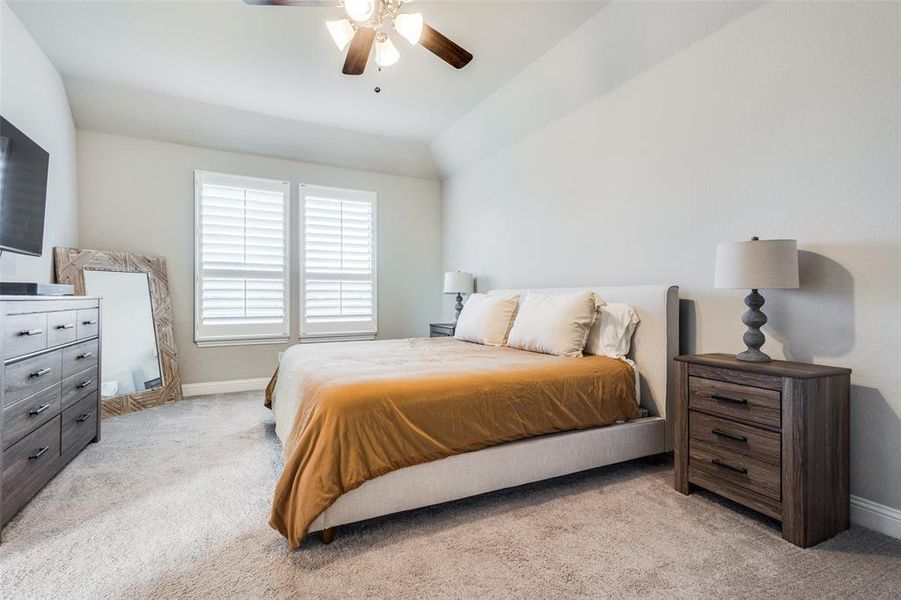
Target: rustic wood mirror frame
x=71, y=263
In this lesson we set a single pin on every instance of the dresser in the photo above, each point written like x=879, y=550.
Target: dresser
x=771, y=436
x=442, y=329
x=49, y=396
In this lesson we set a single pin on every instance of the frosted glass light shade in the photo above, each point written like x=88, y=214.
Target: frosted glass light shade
x=386, y=54
x=458, y=282
x=757, y=265
x=409, y=26
x=360, y=10
x=342, y=32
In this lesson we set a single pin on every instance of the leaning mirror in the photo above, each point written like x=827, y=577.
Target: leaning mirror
x=138, y=366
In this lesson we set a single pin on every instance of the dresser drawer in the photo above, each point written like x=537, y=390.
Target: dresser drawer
x=61, y=327
x=23, y=334
x=28, y=465
x=79, y=425
x=726, y=466
x=88, y=323
x=78, y=386
x=744, y=402
x=29, y=413
x=29, y=376
x=79, y=357
x=753, y=442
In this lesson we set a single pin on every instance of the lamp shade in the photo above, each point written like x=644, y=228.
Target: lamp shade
x=758, y=264
x=457, y=282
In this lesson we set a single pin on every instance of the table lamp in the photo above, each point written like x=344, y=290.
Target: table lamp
x=754, y=265
x=458, y=282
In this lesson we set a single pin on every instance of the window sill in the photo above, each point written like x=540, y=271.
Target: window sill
x=316, y=339
x=238, y=342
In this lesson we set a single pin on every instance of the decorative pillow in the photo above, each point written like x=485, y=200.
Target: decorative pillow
x=611, y=334
x=554, y=323
x=486, y=319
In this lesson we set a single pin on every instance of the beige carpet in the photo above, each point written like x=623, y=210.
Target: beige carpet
x=174, y=501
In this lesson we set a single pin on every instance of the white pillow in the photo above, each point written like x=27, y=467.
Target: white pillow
x=486, y=319
x=611, y=334
x=554, y=323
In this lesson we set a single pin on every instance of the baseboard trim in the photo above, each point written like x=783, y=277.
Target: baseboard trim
x=223, y=387
x=875, y=516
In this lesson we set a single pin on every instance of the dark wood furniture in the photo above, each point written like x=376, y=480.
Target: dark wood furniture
x=442, y=329
x=771, y=436
x=50, y=348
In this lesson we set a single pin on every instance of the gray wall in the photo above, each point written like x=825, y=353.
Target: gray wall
x=138, y=195
x=785, y=122
x=32, y=98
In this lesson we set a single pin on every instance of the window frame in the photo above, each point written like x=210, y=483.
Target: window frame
x=369, y=333
x=204, y=338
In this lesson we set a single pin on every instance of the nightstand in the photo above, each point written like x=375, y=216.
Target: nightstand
x=771, y=436
x=442, y=329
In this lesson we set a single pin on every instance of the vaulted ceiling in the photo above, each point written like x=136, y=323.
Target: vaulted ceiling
x=281, y=62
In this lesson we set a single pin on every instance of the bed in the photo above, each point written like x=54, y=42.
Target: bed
x=375, y=428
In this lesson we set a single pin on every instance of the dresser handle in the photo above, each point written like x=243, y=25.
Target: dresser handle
x=739, y=470
x=84, y=384
x=39, y=453
x=82, y=418
x=39, y=410
x=66, y=326
x=91, y=322
x=41, y=372
x=731, y=436
x=728, y=399
x=85, y=355
x=32, y=332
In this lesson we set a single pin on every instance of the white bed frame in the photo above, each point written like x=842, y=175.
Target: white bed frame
x=654, y=345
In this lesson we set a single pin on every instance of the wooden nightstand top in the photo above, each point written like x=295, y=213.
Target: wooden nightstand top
x=776, y=368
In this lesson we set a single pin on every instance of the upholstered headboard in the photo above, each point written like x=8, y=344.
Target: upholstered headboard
x=655, y=343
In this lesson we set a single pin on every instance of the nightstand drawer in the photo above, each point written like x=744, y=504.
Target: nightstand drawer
x=442, y=329
x=744, y=402
x=753, y=442
x=727, y=466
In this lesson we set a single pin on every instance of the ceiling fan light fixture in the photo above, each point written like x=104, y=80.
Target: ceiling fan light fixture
x=341, y=31
x=386, y=54
x=409, y=26
x=360, y=10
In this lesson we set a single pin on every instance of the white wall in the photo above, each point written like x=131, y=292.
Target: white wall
x=32, y=98
x=784, y=123
x=138, y=195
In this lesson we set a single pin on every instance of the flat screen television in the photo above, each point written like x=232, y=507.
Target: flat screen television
x=23, y=191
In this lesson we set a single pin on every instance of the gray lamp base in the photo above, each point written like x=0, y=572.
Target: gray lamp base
x=458, y=307
x=753, y=337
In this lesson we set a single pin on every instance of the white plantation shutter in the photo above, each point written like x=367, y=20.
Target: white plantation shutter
x=241, y=259
x=338, y=266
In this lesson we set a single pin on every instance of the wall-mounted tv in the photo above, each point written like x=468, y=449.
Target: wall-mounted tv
x=23, y=191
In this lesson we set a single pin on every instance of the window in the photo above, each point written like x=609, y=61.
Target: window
x=240, y=259
x=337, y=263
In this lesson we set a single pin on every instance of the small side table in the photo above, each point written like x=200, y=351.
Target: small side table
x=442, y=329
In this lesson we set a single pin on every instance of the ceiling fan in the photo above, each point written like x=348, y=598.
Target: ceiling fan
x=367, y=30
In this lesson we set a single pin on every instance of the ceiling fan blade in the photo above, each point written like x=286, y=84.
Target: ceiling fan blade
x=292, y=2
x=444, y=48
x=358, y=53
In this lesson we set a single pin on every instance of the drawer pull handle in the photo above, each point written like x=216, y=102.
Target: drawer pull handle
x=39, y=410
x=39, y=453
x=739, y=470
x=85, y=355
x=91, y=322
x=66, y=326
x=729, y=436
x=84, y=384
x=40, y=372
x=82, y=418
x=32, y=332
x=728, y=399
